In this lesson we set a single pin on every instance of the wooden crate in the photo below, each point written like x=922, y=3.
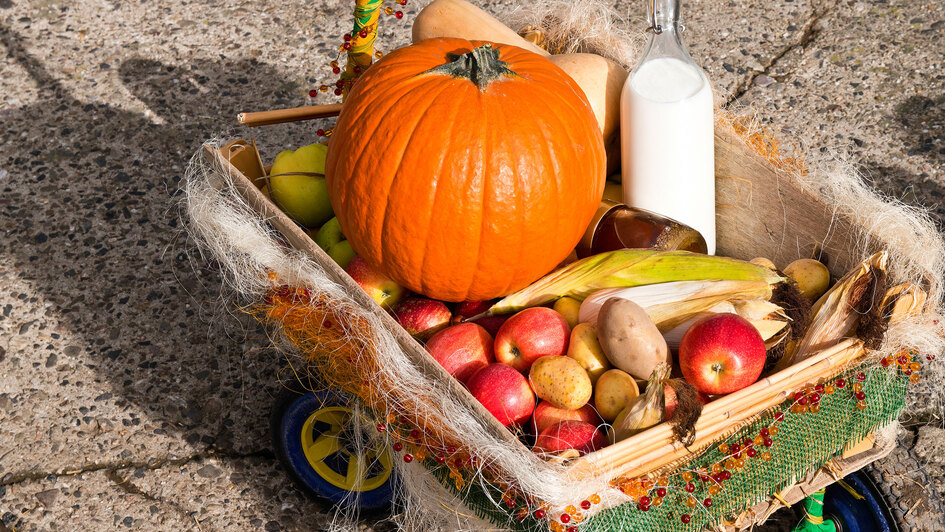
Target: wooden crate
x=759, y=187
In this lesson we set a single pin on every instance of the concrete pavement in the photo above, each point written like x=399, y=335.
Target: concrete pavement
x=131, y=396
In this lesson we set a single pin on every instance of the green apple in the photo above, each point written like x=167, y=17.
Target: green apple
x=303, y=197
x=330, y=234
x=341, y=253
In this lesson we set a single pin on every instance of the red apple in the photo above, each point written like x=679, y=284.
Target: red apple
x=421, y=317
x=462, y=349
x=377, y=284
x=671, y=401
x=504, y=392
x=547, y=414
x=468, y=309
x=721, y=354
x=492, y=323
x=529, y=335
x=570, y=434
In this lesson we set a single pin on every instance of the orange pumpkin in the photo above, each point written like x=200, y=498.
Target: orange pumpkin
x=465, y=170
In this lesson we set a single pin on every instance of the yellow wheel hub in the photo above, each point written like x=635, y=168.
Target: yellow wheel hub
x=364, y=473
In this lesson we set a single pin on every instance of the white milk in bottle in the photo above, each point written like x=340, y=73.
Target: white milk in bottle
x=666, y=128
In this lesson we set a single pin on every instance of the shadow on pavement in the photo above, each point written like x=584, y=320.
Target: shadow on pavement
x=98, y=235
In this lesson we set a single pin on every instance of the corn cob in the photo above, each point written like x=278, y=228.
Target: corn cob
x=670, y=304
x=632, y=267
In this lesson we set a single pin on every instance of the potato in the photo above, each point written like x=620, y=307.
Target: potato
x=630, y=339
x=812, y=277
x=585, y=348
x=762, y=261
x=568, y=307
x=561, y=381
x=615, y=390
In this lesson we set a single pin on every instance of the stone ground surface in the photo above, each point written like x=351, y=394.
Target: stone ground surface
x=130, y=395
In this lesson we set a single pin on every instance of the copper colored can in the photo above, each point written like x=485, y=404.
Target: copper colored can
x=617, y=226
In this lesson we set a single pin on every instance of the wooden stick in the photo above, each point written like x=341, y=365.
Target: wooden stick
x=710, y=426
x=670, y=452
x=296, y=114
x=722, y=413
x=656, y=455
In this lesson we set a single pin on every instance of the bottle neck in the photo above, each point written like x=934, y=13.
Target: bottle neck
x=663, y=15
x=665, y=32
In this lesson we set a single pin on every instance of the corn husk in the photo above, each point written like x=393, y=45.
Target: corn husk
x=773, y=328
x=903, y=301
x=834, y=316
x=631, y=267
x=772, y=323
x=758, y=309
x=772, y=331
x=672, y=304
x=645, y=410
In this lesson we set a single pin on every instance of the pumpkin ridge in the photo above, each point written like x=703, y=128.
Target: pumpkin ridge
x=366, y=107
x=443, y=149
x=381, y=111
x=349, y=185
x=568, y=129
x=400, y=157
x=524, y=239
x=565, y=197
x=483, y=202
x=586, y=108
x=556, y=167
x=522, y=213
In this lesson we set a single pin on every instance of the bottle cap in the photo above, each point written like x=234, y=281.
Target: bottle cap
x=584, y=246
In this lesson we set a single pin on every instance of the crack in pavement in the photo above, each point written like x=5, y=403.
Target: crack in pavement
x=11, y=479
x=125, y=484
x=808, y=33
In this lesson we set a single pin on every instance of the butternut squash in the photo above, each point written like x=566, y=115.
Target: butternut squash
x=458, y=18
x=600, y=78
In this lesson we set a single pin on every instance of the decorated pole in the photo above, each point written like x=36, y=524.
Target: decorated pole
x=360, y=47
x=814, y=515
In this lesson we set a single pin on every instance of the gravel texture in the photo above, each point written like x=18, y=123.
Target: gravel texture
x=131, y=395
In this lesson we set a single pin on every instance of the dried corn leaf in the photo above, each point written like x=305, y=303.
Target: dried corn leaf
x=903, y=301
x=837, y=313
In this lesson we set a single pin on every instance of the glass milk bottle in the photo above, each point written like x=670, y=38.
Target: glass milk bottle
x=666, y=129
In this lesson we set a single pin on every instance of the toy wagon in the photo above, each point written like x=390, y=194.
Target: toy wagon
x=383, y=418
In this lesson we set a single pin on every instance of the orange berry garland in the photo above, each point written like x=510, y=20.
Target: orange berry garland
x=675, y=490
x=736, y=456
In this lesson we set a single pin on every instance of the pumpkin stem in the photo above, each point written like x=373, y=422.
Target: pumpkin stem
x=481, y=66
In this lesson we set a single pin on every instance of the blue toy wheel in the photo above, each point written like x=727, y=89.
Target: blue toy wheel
x=892, y=494
x=310, y=439
x=865, y=512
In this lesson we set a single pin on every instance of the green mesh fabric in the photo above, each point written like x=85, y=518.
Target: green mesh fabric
x=804, y=443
